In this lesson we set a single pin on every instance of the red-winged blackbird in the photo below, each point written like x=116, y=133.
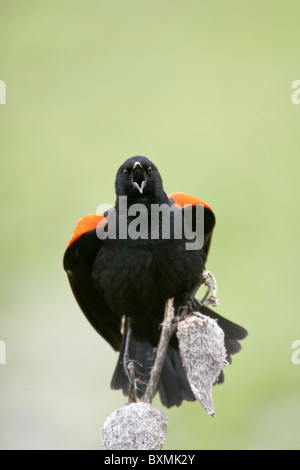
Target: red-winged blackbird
x=122, y=277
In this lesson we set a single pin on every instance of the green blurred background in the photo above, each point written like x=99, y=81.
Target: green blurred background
x=204, y=90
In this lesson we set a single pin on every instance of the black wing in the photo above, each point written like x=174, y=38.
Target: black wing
x=78, y=263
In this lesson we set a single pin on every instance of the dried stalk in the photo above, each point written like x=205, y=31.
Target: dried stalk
x=168, y=329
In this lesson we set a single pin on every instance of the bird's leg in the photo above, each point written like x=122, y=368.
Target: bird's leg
x=186, y=308
x=131, y=376
x=128, y=364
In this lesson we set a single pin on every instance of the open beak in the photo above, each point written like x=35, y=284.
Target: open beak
x=138, y=177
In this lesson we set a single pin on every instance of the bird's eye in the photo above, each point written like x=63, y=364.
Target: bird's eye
x=149, y=170
x=125, y=172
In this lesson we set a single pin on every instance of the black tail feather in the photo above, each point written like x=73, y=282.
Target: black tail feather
x=173, y=386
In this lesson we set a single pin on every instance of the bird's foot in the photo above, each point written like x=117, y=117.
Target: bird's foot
x=186, y=308
x=129, y=368
x=137, y=378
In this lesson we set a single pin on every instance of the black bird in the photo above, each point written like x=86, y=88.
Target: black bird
x=123, y=266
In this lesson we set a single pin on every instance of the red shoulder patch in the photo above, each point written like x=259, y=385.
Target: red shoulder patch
x=87, y=223
x=182, y=198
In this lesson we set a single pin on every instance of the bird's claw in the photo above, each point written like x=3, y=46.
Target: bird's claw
x=185, y=309
x=129, y=368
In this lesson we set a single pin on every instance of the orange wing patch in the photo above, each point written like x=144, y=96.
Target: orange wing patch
x=87, y=223
x=182, y=198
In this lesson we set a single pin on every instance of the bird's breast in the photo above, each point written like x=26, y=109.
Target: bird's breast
x=143, y=274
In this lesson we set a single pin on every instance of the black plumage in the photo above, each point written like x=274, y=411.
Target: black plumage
x=125, y=282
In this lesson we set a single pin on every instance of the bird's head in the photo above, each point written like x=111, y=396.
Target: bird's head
x=139, y=179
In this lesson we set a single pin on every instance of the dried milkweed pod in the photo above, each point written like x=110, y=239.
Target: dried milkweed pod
x=202, y=348
x=136, y=426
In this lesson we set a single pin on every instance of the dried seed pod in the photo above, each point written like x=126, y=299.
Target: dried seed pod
x=202, y=348
x=136, y=426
